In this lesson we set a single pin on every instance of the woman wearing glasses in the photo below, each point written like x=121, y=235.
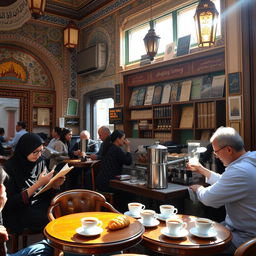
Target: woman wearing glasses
x=27, y=175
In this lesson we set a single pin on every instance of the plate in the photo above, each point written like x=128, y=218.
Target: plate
x=154, y=223
x=134, y=216
x=182, y=233
x=211, y=233
x=95, y=232
x=161, y=217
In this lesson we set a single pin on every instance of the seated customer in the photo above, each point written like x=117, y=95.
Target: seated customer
x=113, y=159
x=39, y=249
x=27, y=175
x=104, y=134
x=235, y=188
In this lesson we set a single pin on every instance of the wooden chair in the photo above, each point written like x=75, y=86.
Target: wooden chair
x=247, y=249
x=78, y=200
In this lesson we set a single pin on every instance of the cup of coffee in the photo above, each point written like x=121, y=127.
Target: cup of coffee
x=90, y=223
x=167, y=210
x=135, y=208
x=203, y=225
x=174, y=226
x=148, y=216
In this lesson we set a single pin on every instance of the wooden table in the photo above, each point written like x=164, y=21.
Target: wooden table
x=189, y=245
x=61, y=234
x=173, y=191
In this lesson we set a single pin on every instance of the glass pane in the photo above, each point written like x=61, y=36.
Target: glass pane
x=217, y=5
x=102, y=116
x=186, y=23
x=163, y=28
x=136, y=43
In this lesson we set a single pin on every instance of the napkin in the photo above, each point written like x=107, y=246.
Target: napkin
x=193, y=196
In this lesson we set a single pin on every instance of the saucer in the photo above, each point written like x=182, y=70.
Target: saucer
x=154, y=223
x=211, y=233
x=96, y=231
x=128, y=213
x=163, y=218
x=182, y=233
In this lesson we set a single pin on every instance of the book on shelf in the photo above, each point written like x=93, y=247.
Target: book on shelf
x=205, y=135
x=166, y=94
x=218, y=84
x=178, y=92
x=185, y=90
x=141, y=96
x=196, y=88
x=174, y=91
x=133, y=99
x=206, y=87
x=183, y=45
x=157, y=94
x=149, y=95
x=144, y=60
x=187, y=117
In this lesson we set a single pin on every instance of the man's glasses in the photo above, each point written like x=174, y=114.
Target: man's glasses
x=216, y=151
x=36, y=152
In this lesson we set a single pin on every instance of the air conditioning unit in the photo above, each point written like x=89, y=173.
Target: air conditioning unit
x=92, y=59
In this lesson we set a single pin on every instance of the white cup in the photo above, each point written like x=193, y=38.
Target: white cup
x=203, y=225
x=194, y=160
x=167, y=210
x=135, y=208
x=148, y=216
x=174, y=226
x=90, y=223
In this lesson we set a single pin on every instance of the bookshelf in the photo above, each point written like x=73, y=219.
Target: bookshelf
x=191, y=107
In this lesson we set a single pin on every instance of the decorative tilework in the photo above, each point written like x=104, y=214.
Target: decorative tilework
x=40, y=98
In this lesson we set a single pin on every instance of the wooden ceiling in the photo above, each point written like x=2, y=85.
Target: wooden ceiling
x=73, y=9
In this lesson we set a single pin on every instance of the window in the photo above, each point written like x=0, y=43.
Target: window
x=175, y=24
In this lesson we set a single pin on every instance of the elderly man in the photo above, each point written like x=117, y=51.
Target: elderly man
x=104, y=133
x=235, y=188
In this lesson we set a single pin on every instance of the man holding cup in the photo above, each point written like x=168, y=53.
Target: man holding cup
x=235, y=188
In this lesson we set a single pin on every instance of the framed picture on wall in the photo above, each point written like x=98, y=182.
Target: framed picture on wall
x=72, y=109
x=234, y=106
x=234, y=83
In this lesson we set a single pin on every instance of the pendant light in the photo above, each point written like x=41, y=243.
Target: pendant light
x=71, y=35
x=151, y=40
x=206, y=17
x=37, y=7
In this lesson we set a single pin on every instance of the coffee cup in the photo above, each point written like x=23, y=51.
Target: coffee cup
x=148, y=216
x=203, y=225
x=135, y=208
x=174, y=226
x=167, y=210
x=90, y=223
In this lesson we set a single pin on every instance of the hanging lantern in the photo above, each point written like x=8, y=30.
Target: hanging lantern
x=37, y=7
x=151, y=41
x=206, y=17
x=71, y=35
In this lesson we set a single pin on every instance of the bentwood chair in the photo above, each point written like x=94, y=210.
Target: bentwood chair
x=78, y=200
x=247, y=249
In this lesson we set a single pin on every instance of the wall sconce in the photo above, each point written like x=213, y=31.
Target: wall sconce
x=36, y=7
x=71, y=35
x=206, y=23
x=151, y=40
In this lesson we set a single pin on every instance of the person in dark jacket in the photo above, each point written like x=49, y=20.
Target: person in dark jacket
x=27, y=175
x=113, y=159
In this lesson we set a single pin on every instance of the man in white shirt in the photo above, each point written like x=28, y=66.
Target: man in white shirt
x=20, y=130
x=235, y=188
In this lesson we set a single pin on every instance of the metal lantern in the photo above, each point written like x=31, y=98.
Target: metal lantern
x=37, y=7
x=71, y=35
x=151, y=41
x=206, y=17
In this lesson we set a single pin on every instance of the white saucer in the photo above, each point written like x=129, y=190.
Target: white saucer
x=95, y=231
x=163, y=218
x=211, y=233
x=154, y=223
x=131, y=215
x=182, y=233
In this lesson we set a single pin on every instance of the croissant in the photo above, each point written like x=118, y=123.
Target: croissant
x=118, y=223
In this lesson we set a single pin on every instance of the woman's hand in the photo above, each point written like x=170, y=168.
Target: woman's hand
x=3, y=234
x=57, y=183
x=44, y=178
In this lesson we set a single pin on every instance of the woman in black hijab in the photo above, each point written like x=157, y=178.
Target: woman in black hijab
x=27, y=175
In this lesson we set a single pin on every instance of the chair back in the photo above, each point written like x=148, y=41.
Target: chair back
x=78, y=200
x=247, y=249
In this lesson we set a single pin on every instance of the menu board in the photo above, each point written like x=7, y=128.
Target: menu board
x=116, y=115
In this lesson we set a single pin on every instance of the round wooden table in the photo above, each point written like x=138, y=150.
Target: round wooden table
x=189, y=245
x=61, y=234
